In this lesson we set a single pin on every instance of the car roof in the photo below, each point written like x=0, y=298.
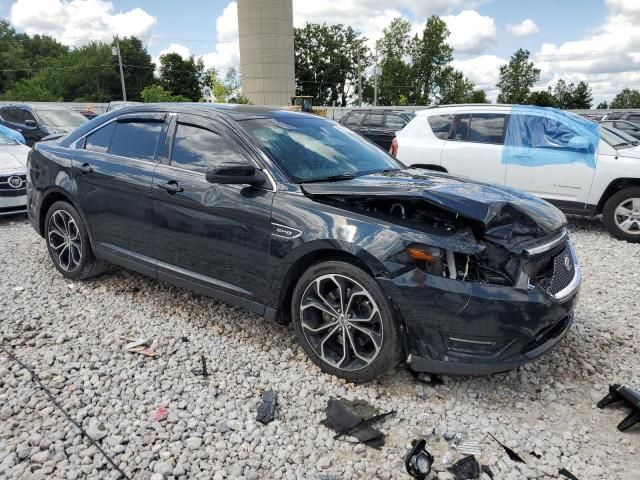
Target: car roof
x=464, y=107
x=36, y=106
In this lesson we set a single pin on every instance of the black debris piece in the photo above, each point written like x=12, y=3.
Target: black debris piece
x=630, y=397
x=201, y=371
x=355, y=418
x=512, y=455
x=535, y=454
x=566, y=473
x=487, y=471
x=267, y=409
x=426, y=379
x=465, y=469
x=418, y=460
x=184, y=339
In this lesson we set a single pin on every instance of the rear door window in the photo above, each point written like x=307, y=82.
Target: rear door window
x=197, y=148
x=395, y=122
x=14, y=115
x=100, y=140
x=441, y=125
x=487, y=128
x=462, y=128
x=374, y=120
x=136, y=139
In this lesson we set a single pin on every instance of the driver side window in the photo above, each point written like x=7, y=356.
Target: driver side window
x=198, y=149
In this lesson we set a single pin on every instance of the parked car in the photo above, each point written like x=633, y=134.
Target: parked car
x=13, y=170
x=379, y=126
x=39, y=120
x=299, y=219
x=633, y=117
x=117, y=105
x=549, y=156
x=627, y=127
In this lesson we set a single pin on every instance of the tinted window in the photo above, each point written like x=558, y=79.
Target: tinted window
x=136, y=139
x=462, y=128
x=14, y=115
x=395, y=122
x=61, y=118
x=634, y=117
x=487, y=128
x=354, y=119
x=196, y=148
x=374, y=120
x=314, y=148
x=99, y=140
x=625, y=126
x=441, y=125
x=615, y=116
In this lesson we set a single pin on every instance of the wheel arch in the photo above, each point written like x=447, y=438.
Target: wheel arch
x=614, y=187
x=59, y=195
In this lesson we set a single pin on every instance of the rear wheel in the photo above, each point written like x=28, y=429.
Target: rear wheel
x=68, y=243
x=344, y=323
x=621, y=214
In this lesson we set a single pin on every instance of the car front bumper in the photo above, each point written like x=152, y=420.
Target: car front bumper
x=454, y=327
x=11, y=204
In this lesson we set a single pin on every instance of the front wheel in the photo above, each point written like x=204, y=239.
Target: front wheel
x=621, y=214
x=343, y=321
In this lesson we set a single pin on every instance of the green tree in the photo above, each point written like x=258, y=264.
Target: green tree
x=517, y=78
x=454, y=88
x=542, y=98
x=570, y=96
x=478, y=96
x=138, y=67
x=431, y=55
x=157, y=94
x=627, y=98
x=395, y=82
x=603, y=106
x=582, y=96
x=31, y=90
x=14, y=62
x=182, y=77
x=326, y=62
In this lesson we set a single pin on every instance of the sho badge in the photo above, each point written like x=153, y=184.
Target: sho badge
x=283, y=231
x=568, y=265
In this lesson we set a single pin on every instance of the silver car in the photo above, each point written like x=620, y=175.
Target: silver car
x=13, y=171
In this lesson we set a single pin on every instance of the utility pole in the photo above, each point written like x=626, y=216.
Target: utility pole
x=359, y=78
x=375, y=79
x=116, y=53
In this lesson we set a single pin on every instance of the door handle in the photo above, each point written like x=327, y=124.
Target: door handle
x=85, y=168
x=171, y=187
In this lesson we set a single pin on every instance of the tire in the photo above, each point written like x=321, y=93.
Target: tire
x=68, y=243
x=371, y=327
x=627, y=200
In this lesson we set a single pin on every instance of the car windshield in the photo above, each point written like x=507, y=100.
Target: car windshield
x=312, y=149
x=5, y=140
x=61, y=118
x=617, y=138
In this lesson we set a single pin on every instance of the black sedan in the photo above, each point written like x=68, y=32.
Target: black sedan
x=299, y=219
x=379, y=126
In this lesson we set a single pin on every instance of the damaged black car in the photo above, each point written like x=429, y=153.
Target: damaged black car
x=296, y=218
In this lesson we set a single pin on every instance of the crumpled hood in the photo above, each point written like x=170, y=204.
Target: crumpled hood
x=503, y=212
x=13, y=158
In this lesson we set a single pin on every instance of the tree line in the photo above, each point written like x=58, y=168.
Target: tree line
x=330, y=60
x=39, y=68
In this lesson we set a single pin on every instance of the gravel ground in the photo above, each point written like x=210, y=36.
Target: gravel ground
x=70, y=334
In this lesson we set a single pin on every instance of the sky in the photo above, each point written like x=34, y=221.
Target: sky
x=592, y=40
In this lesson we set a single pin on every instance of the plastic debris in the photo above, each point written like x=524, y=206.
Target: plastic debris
x=487, y=471
x=160, y=414
x=354, y=418
x=18, y=289
x=566, y=473
x=203, y=369
x=267, y=409
x=418, y=460
x=512, y=455
x=465, y=469
x=139, y=345
x=468, y=447
x=630, y=397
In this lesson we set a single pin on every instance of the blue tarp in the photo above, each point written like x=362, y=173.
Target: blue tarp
x=539, y=136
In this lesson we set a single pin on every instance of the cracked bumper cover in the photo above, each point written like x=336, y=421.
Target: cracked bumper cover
x=464, y=328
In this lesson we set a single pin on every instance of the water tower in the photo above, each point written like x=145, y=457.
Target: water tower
x=267, y=62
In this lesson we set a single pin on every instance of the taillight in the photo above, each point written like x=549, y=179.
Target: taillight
x=394, y=148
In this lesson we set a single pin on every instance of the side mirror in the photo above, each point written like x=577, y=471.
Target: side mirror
x=579, y=143
x=31, y=123
x=236, y=174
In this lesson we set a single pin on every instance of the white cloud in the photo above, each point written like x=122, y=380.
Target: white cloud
x=227, y=50
x=525, y=28
x=75, y=22
x=470, y=31
x=608, y=58
x=482, y=70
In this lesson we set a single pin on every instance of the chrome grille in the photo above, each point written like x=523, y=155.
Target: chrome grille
x=7, y=190
x=552, y=269
x=563, y=272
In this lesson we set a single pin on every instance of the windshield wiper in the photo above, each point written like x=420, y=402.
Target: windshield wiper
x=623, y=144
x=332, y=178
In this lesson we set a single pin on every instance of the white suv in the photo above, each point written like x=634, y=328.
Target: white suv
x=580, y=167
